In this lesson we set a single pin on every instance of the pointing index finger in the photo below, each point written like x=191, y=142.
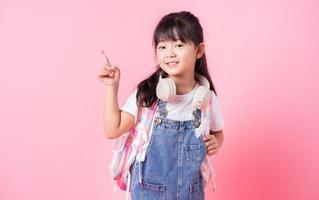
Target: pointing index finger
x=106, y=60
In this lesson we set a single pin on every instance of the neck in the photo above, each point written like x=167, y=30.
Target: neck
x=184, y=84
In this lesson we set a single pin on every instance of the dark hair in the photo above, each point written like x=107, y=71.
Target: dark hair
x=188, y=30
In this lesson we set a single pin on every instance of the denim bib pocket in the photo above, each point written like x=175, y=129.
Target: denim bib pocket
x=195, y=191
x=193, y=153
x=153, y=191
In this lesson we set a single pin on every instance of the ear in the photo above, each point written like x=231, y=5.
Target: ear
x=200, y=50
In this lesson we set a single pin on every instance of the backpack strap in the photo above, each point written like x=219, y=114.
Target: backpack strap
x=142, y=129
x=145, y=130
x=207, y=168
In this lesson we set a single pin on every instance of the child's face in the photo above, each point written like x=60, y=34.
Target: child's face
x=177, y=58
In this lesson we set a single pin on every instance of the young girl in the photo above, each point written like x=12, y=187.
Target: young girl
x=181, y=89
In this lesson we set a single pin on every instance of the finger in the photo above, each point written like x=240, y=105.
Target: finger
x=100, y=74
x=106, y=68
x=210, y=142
x=208, y=146
x=109, y=70
x=209, y=137
x=106, y=73
x=214, y=143
x=212, y=152
x=103, y=72
x=213, y=140
x=109, y=67
x=106, y=60
x=212, y=147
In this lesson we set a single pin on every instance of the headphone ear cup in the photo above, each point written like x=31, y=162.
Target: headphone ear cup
x=172, y=90
x=201, y=98
x=166, y=89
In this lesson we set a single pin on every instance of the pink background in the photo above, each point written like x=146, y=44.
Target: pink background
x=263, y=58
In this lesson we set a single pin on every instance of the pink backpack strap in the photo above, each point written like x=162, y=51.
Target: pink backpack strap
x=141, y=131
x=145, y=129
x=207, y=168
x=127, y=146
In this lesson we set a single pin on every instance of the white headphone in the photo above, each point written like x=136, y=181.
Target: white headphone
x=166, y=91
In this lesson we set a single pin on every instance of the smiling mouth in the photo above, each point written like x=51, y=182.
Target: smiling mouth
x=172, y=64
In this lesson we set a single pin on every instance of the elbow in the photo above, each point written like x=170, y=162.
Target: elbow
x=111, y=134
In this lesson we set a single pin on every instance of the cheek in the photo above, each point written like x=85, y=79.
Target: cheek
x=189, y=57
x=160, y=57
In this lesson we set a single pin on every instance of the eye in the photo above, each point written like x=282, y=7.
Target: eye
x=179, y=45
x=161, y=47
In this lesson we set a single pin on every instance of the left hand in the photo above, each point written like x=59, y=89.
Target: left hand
x=212, y=144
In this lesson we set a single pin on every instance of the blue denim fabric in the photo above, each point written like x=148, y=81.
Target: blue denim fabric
x=171, y=170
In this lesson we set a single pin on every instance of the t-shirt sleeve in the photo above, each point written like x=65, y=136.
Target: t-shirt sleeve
x=217, y=121
x=131, y=105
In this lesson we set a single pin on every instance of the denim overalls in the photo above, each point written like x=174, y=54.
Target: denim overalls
x=171, y=170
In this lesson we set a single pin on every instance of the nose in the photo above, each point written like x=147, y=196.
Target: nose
x=170, y=52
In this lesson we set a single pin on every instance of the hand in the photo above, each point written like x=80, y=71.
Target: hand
x=109, y=74
x=212, y=144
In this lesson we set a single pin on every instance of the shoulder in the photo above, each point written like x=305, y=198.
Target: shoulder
x=132, y=97
x=134, y=92
x=131, y=105
x=214, y=102
x=214, y=96
x=217, y=121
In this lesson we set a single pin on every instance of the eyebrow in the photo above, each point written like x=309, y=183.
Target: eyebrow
x=178, y=40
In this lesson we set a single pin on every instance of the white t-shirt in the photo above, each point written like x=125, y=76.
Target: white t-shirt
x=180, y=109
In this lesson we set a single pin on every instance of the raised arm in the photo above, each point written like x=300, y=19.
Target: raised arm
x=116, y=122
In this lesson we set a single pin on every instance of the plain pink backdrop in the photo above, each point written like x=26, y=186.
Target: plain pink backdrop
x=263, y=59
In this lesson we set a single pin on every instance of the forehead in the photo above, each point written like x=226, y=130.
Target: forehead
x=171, y=34
x=176, y=39
x=169, y=40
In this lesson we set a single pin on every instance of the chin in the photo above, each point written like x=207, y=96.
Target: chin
x=171, y=71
